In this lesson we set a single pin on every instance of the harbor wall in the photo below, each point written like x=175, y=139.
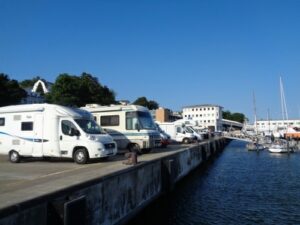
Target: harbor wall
x=114, y=198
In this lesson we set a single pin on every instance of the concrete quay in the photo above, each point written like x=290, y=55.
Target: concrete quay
x=108, y=192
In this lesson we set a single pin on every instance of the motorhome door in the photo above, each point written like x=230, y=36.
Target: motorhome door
x=67, y=139
x=38, y=140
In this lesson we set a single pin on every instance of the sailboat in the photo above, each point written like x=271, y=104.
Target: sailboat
x=254, y=145
x=280, y=145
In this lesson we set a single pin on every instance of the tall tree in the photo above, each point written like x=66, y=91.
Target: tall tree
x=239, y=117
x=79, y=90
x=143, y=101
x=11, y=92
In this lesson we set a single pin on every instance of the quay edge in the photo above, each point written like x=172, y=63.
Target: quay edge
x=116, y=197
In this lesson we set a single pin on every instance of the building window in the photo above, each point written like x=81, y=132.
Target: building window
x=27, y=126
x=110, y=120
x=2, y=121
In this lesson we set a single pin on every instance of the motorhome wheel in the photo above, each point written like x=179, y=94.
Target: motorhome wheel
x=186, y=141
x=81, y=156
x=135, y=148
x=14, y=156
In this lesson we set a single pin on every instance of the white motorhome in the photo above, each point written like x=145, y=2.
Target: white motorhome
x=191, y=126
x=46, y=130
x=177, y=132
x=131, y=126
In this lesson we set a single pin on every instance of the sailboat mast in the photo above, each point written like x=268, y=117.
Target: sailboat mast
x=269, y=120
x=283, y=102
x=255, y=117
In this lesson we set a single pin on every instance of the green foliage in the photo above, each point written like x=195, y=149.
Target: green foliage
x=79, y=90
x=143, y=101
x=29, y=83
x=239, y=117
x=11, y=93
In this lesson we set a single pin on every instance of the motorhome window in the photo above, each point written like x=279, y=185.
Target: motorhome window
x=143, y=119
x=2, y=121
x=27, y=126
x=89, y=126
x=67, y=126
x=110, y=120
x=178, y=130
x=131, y=120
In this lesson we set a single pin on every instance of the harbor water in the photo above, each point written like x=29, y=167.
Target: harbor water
x=237, y=187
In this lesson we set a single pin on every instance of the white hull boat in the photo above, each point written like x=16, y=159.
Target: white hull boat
x=278, y=149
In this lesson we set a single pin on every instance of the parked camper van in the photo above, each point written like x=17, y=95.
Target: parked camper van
x=177, y=132
x=46, y=130
x=131, y=126
x=191, y=127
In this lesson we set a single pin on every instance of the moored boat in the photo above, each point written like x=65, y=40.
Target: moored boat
x=253, y=146
x=280, y=146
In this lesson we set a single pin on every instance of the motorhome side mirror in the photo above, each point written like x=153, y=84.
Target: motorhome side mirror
x=137, y=127
x=74, y=132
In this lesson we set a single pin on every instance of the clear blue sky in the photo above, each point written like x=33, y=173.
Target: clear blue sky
x=175, y=52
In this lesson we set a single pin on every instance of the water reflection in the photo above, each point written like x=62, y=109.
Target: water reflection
x=239, y=187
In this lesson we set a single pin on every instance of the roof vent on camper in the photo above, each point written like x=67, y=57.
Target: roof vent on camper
x=124, y=102
x=92, y=105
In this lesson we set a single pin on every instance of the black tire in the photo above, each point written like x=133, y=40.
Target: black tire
x=186, y=141
x=14, y=156
x=146, y=150
x=135, y=148
x=81, y=156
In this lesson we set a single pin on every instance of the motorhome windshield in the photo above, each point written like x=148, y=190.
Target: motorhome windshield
x=189, y=130
x=143, y=119
x=89, y=126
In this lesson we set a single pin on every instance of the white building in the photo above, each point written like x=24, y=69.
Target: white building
x=33, y=96
x=207, y=115
x=276, y=125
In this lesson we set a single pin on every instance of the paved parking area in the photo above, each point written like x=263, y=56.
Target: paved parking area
x=34, y=177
